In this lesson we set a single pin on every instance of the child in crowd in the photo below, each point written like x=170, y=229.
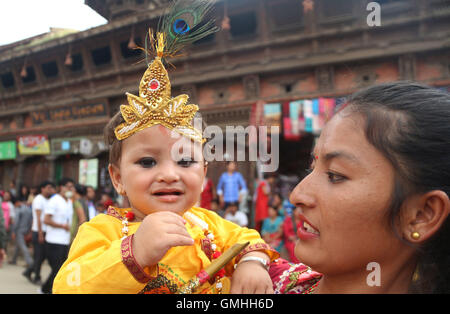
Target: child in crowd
x=163, y=240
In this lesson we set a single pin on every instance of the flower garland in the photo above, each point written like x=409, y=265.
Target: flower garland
x=208, y=246
x=125, y=219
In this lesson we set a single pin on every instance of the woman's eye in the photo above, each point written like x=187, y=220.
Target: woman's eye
x=147, y=162
x=186, y=162
x=335, y=178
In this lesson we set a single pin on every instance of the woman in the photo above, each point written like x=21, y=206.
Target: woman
x=208, y=193
x=8, y=209
x=374, y=209
x=23, y=193
x=80, y=214
x=271, y=230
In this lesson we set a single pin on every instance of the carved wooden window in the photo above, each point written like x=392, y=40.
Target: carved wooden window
x=50, y=69
x=130, y=53
x=285, y=14
x=77, y=63
x=333, y=8
x=101, y=56
x=30, y=75
x=243, y=24
x=7, y=80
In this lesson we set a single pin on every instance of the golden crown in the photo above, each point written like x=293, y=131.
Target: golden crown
x=155, y=104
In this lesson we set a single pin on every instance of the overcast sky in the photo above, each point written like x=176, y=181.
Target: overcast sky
x=20, y=19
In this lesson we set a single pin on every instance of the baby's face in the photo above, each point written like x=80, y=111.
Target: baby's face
x=159, y=172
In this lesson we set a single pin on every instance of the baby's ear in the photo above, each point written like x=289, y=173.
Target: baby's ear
x=116, y=179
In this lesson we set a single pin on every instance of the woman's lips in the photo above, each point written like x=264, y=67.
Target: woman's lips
x=306, y=231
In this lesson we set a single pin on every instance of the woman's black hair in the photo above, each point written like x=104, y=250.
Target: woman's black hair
x=409, y=124
x=23, y=197
x=81, y=189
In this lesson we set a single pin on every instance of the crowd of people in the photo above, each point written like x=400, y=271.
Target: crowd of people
x=273, y=216
x=46, y=219
x=41, y=222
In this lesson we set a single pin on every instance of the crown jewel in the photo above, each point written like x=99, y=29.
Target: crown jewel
x=154, y=105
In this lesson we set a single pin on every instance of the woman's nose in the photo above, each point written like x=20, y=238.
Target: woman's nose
x=302, y=194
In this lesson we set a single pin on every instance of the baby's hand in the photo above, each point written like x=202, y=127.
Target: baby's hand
x=157, y=233
x=251, y=277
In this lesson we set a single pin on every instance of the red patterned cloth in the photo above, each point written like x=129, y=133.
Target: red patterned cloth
x=207, y=195
x=289, y=278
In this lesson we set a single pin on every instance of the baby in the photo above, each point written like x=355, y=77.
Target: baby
x=162, y=240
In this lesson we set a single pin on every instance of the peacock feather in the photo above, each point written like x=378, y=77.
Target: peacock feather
x=184, y=23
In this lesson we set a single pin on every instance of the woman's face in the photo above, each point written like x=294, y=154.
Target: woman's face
x=6, y=196
x=273, y=212
x=344, y=200
x=157, y=174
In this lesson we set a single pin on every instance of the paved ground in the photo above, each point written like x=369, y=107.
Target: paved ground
x=12, y=281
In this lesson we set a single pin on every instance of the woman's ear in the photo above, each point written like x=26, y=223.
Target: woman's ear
x=116, y=179
x=424, y=215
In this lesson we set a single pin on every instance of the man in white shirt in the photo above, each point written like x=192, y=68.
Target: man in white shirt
x=46, y=189
x=58, y=219
x=234, y=215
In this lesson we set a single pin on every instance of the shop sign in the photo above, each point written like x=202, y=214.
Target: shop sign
x=33, y=145
x=88, y=172
x=78, y=145
x=8, y=150
x=68, y=113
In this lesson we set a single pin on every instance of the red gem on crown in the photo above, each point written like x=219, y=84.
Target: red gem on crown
x=154, y=84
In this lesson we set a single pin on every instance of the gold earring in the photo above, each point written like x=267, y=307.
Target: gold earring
x=415, y=235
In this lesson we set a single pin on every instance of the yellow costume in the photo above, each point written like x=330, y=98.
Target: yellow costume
x=98, y=257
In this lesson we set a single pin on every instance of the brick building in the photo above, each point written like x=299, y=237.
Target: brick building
x=61, y=88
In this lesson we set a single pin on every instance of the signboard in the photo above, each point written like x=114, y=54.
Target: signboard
x=33, y=145
x=8, y=150
x=88, y=172
x=68, y=113
x=87, y=146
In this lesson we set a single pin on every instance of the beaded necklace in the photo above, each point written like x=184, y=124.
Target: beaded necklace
x=208, y=246
x=311, y=289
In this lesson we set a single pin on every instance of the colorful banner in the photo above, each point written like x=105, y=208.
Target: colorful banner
x=307, y=115
x=8, y=150
x=88, y=172
x=33, y=145
x=292, y=120
x=326, y=108
x=272, y=116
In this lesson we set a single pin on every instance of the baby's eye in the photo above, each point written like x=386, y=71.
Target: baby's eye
x=186, y=162
x=147, y=162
